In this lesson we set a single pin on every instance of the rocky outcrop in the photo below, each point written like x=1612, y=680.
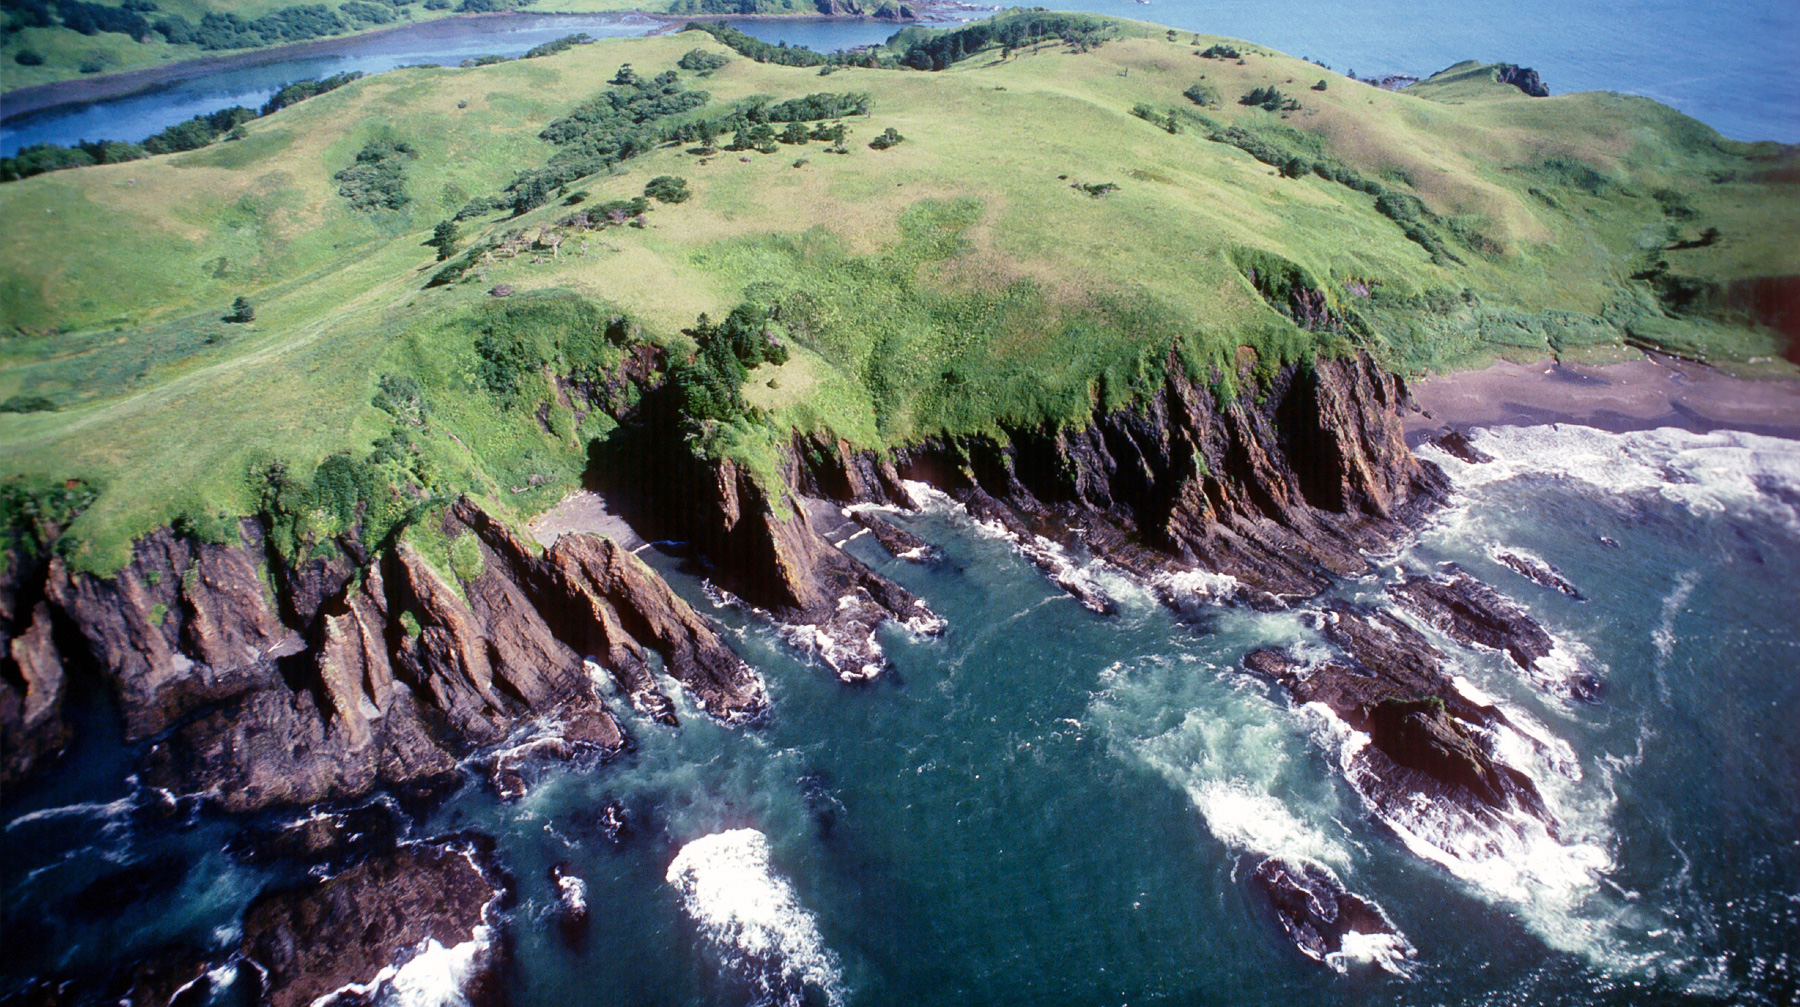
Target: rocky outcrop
x=1522, y=77
x=1473, y=614
x=1539, y=572
x=31, y=723
x=261, y=683
x=1425, y=737
x=762, y=542
x=346, y=937
x=1321, y=916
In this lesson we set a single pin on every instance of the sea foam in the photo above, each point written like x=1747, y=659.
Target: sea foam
x=753, y=919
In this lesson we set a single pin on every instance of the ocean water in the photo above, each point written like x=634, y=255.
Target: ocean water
x=1045, y=805
x=1728, y=65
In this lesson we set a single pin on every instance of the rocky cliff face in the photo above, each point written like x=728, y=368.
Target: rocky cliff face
x=261, y=683
x=1281, y=487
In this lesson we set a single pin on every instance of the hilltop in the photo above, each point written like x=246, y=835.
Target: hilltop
x=1072, y=209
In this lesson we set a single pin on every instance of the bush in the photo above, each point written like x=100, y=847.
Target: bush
x=701, y=60
x=889, y=138
x=1321, y=85
x=1202, y=95
x=667, y=189
x=241, y=310
x=1221, y=52
x=377, y=180
x=29, y=57
x=27, y=404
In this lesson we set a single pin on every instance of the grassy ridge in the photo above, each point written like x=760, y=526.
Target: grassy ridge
x=959, y=281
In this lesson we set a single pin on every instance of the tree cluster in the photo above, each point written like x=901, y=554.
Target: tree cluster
x=711, y=386
x=1269, y=98
x=1027, y=28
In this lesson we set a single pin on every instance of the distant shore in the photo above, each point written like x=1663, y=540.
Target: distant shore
x=81, y=90
x=1643, y=394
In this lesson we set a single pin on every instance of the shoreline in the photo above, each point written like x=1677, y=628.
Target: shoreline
x=83, y=90
x=36, y=98
x=1643, y=394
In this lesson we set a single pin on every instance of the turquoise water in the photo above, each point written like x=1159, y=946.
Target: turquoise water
x=1049, y=806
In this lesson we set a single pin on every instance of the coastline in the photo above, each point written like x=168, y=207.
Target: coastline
x=1643, y=394
x=82, y=90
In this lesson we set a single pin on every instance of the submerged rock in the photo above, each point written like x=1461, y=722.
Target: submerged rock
x=1425, y=737
x=572, y=906
x=1539, y=572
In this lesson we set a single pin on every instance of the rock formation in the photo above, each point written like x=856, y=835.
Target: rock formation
x=1524, y=78
x=354, y=931
x=261, y=683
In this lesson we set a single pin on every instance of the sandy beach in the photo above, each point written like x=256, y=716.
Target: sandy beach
x=1643, y=394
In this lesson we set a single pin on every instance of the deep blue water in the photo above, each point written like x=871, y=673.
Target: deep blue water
x=1049, y=806
x=1729, y=65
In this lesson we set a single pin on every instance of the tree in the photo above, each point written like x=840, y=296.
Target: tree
x=1320, y=86
x=444, y=238
x=625, y=77
x=241, y=310
x=796, y=132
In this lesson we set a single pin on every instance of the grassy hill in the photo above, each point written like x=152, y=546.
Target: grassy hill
x=1056, y=218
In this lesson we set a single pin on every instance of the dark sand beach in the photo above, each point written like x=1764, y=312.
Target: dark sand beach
x=1643, y=394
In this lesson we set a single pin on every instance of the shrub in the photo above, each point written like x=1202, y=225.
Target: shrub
x=29, y=57
x=1320, y=86
x=27, y=404
x=1221, y=52
x=1202, y=95
x=889, y=138
x=667, y=189
x=377, y=180
x=701, y=60
x=443, y=238
x=241, y=310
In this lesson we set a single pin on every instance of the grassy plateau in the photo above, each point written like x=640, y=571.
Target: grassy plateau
x=1059, y=215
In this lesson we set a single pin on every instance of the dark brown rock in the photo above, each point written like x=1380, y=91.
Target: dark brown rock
x=1540, y=573
x=345, y=930
x=1457, y=445
x=1315, y=909
x=32, y=728
x=1472, y=613
x=184, y=625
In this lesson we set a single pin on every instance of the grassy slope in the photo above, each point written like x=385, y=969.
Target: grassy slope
x=961, y=250
x=63, y=49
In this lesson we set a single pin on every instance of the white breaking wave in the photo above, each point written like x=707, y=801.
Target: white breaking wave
x=1663, y=636
x=752, y=917
x=1723, y=471
x=436, y=976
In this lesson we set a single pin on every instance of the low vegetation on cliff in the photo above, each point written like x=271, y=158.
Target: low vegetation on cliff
x=1079, y=204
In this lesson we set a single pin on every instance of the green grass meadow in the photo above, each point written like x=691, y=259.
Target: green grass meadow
x=959, y=281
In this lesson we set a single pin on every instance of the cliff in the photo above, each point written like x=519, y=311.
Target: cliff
x=258, y=682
